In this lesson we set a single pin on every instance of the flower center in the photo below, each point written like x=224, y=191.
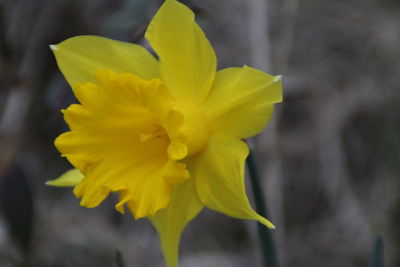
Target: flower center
x=125, y=138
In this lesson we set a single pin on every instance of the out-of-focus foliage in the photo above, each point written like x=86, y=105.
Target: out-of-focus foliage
x=331, y=172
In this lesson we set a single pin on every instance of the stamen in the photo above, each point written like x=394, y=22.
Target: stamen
x=158, y=132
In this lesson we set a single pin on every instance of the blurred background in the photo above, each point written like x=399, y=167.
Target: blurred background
x=329, y=159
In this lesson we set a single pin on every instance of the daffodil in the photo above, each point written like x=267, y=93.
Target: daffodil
x=164, y=133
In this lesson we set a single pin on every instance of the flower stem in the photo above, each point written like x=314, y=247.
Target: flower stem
x=118, y=259
x=267, y=243
x=376, y=257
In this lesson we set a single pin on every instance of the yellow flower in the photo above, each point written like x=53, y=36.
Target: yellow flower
x=165, y=134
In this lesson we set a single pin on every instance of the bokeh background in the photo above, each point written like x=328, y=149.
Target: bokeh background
x=330, y=159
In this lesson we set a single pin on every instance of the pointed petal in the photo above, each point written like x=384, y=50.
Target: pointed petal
x=187, y=60
x=70, y=178
x=219, y=176
x=241, y=101
x=79, y=57
x=171, y=221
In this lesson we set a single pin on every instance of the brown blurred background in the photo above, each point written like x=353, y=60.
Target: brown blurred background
x=329, y=159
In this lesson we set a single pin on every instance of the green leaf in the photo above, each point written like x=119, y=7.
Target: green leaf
x=376, y=257
x=16, y=205
x=118, y=259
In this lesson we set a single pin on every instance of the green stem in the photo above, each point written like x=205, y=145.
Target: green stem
x=267, y=243
x=118, y=259
x=376, y=257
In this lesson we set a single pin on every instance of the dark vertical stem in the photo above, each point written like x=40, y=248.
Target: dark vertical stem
x=119, y=262
x=266, y=240
x=376, y=257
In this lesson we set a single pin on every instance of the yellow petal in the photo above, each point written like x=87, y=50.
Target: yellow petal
x=70, y=178
x=219, y=176
x=241, y=101
x=79, y=57
x=187, y=60
x=171, y=221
